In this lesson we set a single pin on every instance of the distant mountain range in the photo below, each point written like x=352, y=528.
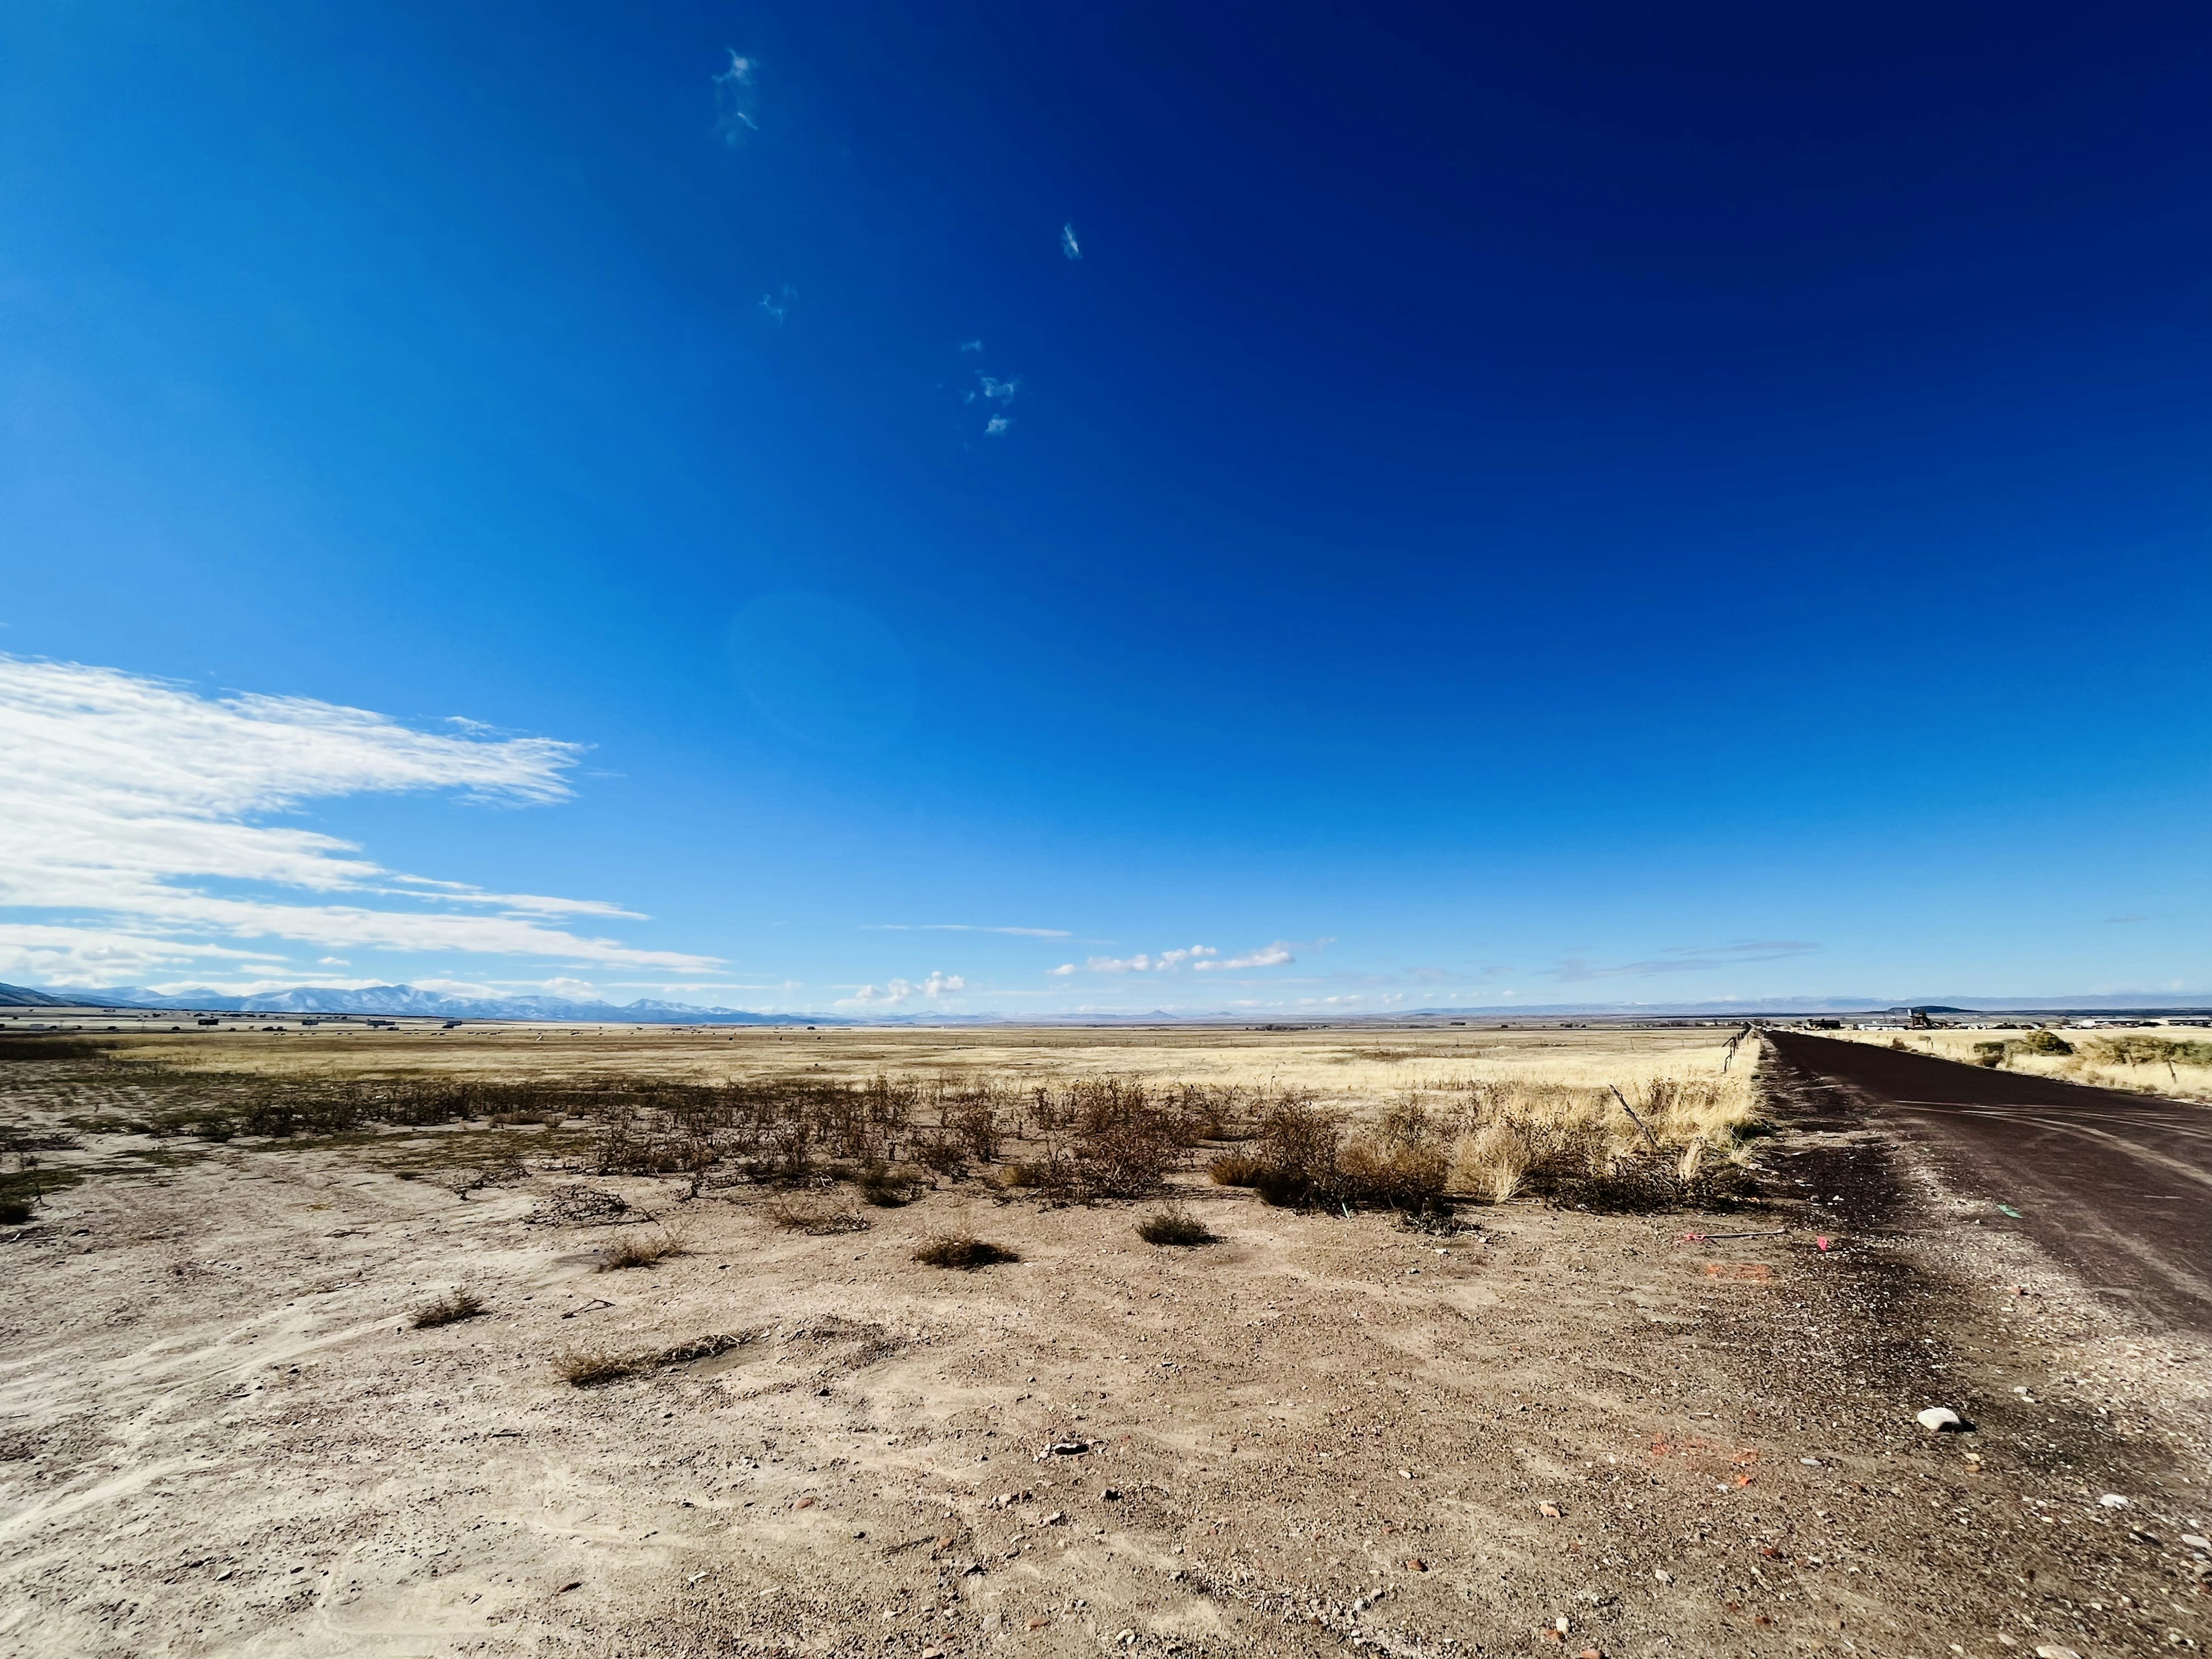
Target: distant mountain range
x=386, y=1002
x=390, y=1001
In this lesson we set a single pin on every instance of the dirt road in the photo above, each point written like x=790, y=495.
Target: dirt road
x=2118, y=1185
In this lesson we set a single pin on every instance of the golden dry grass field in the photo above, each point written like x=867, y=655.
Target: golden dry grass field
x=632, y=1343
x=1349, y=1064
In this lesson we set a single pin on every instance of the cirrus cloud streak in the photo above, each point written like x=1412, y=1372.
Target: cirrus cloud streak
x=137, y=809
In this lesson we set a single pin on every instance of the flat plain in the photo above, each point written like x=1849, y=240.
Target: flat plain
x=1651, y=1402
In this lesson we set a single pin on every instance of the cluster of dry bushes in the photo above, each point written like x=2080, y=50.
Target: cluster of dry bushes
x=1662, y=1139
x=1656, y=1140
x=1623, y=1140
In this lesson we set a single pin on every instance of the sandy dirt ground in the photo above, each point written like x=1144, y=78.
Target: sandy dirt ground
x=1555, y=1432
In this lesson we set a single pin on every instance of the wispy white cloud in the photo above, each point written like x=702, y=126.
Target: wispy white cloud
x=1139, y=963
x=736, y=101
x=133, y=813
x=1199, y=958
x=38, y=953
x=1270, y=956
x=990, y=390
x=1165, y=962
x=1063, y=971
x=1068, y=245
x=773, y=306
x=971, y=345
x=897, y=991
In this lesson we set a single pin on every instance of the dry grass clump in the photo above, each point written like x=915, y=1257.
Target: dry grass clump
x=1494, y=1160
x=1173, y=1224
x=643, y=1249
x=816, y=1220
x=2137, y=1050
x=584, y=1368
x=1653, y=1142
x=962, y=1250
x=449, y=1309
x=1236, y=1169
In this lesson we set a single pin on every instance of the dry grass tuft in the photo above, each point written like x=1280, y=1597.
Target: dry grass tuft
x=585, y=1368
x=1173, y=1224
x=962, y=1250
x=449, y=1309
x=643, y=1249
x=1235, y=1169
x=1494, y=1161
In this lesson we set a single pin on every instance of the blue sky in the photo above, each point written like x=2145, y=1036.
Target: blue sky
x=1402, y=508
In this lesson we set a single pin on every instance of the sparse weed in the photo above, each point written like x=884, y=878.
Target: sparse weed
x=448, y=1310
x=962, y=1250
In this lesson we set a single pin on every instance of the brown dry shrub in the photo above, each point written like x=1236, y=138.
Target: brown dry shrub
x=1396, y=1176
x=1296, y=1155
x=877, y=1184
x=962, y=1250
x=1173, y=1224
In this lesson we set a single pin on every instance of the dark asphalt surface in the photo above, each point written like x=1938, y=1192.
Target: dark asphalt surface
x=2118, y=1185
